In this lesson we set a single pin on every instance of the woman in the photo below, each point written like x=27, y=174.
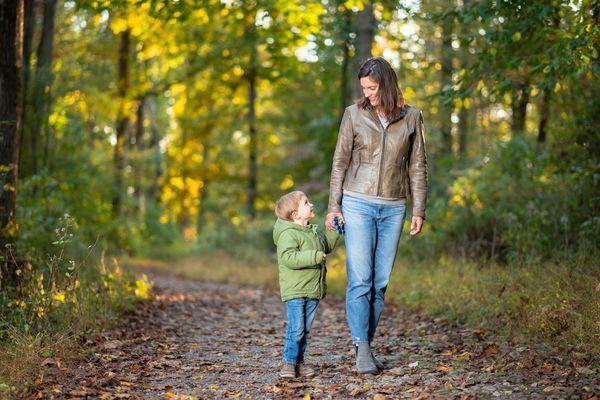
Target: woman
x=379, y=160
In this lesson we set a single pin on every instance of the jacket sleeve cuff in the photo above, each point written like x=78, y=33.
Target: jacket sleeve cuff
x=318, y=257
x=418, y=214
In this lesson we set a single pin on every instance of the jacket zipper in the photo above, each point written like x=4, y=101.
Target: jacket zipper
x=319, y=243
x=382, y=153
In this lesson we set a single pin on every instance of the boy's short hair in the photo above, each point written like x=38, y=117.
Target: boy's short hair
x=287, y=204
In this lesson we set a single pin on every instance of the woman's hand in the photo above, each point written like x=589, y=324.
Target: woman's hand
x=329, y=219
x=416, y=225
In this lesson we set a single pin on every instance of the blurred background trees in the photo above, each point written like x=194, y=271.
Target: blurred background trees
x=160, y=125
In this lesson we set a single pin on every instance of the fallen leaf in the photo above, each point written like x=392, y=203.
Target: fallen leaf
x=396, y=371
x=112, y=344
x=450, y=352
x=444, y=368
x=585, y=371
x=48, y=361
x=489, y=350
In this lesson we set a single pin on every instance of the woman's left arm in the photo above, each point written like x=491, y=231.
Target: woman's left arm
x=417, y=172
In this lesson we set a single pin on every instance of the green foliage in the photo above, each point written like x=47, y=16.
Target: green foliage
x=60, y=293
x=516, y=203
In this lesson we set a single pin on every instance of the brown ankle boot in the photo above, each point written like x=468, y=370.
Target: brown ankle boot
x=304, y=370
x=287, y=370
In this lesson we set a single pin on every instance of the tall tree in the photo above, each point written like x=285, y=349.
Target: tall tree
x=544, y=116
x=28, y=30
x=520, y=99
x=122, y=120
x=11, y=66
x=363, y=44
x=251, y=76
x=446, y=106
x=344, y=21
x=41, y=84
x=137, y=161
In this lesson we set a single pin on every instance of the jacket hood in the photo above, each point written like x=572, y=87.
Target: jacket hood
x=281, y=225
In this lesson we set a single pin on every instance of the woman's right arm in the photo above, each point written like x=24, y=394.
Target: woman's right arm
x=341, y=160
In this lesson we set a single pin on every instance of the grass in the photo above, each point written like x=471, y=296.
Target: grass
x=557, y=303
x=217, y=266
x=554, y=303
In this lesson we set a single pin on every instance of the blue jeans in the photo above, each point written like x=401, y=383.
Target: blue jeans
x=372, y=235
x=300, y=316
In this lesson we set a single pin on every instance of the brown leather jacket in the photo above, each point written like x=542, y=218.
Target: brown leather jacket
x=380, y=162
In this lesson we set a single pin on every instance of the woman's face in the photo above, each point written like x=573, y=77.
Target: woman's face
x=370, y=89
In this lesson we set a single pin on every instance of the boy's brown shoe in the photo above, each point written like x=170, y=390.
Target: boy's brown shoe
x=288, y=370
x=305, y=371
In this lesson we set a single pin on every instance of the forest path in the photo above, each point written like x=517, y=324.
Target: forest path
x=206, y=340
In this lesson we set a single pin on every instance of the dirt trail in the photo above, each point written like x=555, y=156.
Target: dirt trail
x=205, y=340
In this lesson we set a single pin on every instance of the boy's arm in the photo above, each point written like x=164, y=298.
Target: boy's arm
x=332, y=238
x=289, y=255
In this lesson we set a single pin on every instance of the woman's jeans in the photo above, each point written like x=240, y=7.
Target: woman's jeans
x=372, y=235
x=300, y=316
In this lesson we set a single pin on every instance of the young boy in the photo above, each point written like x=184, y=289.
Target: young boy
x=301, y=252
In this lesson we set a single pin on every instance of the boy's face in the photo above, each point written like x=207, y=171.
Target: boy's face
x=305, y=209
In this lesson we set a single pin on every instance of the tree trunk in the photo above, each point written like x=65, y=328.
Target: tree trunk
x=520, y=100
x=463, y=130
x=544, y=116
x=28, y=26
x=345, y=39
x=363, y=45
x=156, y=167
x=252, y=164
x=41, y=84
x=138, y=160
x=11, y=68
x=122, y=121
x=446, y=84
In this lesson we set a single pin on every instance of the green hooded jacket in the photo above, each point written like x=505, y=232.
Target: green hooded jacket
x=300, y=252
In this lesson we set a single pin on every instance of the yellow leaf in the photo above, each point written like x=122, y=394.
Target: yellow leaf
x=59, y=297
x=118, y=25
x=170, y=395
x=444, y=368
x=307, y=396
x=287, y=183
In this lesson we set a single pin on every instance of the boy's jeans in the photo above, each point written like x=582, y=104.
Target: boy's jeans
x=372, y=235
x=300, y=316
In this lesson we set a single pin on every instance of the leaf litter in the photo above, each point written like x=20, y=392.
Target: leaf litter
x=199, y=340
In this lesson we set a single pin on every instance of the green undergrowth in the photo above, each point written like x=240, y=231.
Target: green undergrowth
x=53, y=303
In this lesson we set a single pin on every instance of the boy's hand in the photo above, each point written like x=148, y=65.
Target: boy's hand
x=324, y=256
x=329, y=219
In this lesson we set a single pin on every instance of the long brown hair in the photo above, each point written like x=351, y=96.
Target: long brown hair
x=391, y=101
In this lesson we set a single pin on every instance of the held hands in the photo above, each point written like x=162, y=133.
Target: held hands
x=329, y=219
x=416, y=225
